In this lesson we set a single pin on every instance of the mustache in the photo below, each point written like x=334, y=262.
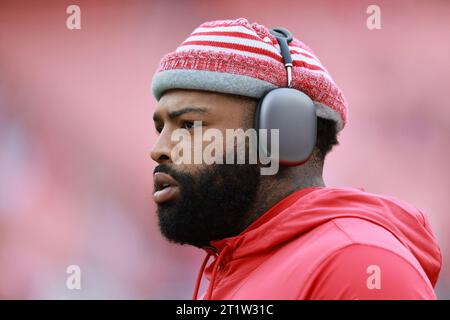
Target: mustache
x=164, y=168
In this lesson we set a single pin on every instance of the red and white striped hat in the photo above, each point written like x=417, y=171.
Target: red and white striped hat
x=236, y=57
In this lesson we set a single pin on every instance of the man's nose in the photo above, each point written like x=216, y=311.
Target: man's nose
x=161, y=149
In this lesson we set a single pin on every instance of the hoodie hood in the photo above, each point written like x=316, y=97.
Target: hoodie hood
x=312, y=207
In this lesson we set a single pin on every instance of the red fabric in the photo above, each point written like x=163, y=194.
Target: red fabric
x=227, y=33
x=235, y=46
x=323, y=243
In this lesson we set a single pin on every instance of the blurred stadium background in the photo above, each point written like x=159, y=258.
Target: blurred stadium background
x=76, y=128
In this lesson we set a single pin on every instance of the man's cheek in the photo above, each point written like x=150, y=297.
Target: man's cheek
x=190, y=170
x=181, y=152
x=198, y=148
x=187, y=148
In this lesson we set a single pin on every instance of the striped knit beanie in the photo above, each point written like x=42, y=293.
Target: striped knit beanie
x=237, y=57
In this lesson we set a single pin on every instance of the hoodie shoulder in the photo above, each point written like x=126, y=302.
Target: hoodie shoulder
x=363, y=232
x=366, y=262
x=383, y=221
x=365, y=272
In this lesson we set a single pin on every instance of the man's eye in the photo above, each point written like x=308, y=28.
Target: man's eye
x=159, y=129
x=190, y=125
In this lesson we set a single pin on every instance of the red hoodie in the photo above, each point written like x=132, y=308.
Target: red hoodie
x=328, y=243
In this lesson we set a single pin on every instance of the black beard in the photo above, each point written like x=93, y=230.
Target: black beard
x=213, y=204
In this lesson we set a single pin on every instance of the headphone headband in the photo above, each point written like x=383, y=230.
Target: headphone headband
x=283, y=37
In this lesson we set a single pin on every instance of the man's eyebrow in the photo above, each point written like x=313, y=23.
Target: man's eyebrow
x=175, y=114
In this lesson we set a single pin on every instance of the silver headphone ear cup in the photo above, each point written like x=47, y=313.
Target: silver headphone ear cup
x=293, y=113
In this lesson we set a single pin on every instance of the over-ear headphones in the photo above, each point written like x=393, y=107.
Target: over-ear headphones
x=289, y=110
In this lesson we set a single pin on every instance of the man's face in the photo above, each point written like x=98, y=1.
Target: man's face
x=198, y=203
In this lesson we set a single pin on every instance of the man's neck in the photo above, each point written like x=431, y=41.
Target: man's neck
x=274, y=189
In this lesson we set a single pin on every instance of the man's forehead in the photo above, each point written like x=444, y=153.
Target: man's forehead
x=175, y=100
x=213, y=103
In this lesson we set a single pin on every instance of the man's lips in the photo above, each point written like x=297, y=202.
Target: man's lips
x=166, y=188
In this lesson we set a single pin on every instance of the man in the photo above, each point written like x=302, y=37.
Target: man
x=285, y=235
